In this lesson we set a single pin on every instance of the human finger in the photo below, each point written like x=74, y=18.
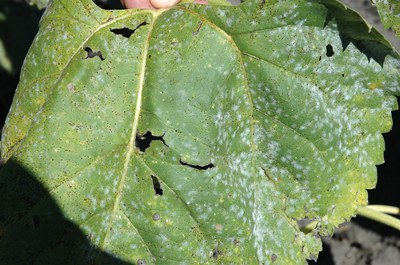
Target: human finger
x=137, y=3
x=163, y=3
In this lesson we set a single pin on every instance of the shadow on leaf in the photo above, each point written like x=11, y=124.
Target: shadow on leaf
x=353, y=30
x=33, y=229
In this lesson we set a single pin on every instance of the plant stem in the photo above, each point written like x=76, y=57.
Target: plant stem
x=385, y=209
x=379, y=217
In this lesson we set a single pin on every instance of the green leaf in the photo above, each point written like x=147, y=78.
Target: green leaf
x=18, y=26
x=5, y=62
x=192, y=135
x=40, y=4
x=389, y=11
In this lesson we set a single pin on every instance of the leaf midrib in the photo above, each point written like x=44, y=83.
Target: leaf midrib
x=131, y=144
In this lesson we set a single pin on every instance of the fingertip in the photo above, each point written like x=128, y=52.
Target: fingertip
x=163, y=3
x=144, y=4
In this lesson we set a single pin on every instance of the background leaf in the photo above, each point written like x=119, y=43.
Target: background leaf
x=40, y=4
x=18, y=26
x=389, y=12
x=197, y=134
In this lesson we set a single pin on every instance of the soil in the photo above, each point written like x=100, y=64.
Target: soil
x=359, y=242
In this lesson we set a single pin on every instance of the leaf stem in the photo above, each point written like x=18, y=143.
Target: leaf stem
x=385, y=209
x=379, y=217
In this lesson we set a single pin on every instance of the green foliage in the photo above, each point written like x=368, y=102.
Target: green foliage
x=257, y=116
x=389, y=11
x=18, y=26
x=40, y=4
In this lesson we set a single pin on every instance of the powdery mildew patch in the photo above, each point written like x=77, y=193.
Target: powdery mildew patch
x=258, y=117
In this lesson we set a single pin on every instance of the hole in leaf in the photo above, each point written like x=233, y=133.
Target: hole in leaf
x=104, y=4
x=274, y=257
x=329, y=50
x=141, y=262
x=216, y=253
x=143, y=142
x=156, y=185
x=92, y=54
x=183, y=163
x=356, y=245
x=127, y=32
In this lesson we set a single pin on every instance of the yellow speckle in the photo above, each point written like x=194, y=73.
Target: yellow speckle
x=375, y=85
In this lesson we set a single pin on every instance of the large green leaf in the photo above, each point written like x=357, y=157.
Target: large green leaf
x=389, y=11
x=193, y=135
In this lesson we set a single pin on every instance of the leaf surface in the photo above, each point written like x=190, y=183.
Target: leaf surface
x=193, y=135
x=389, y=11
